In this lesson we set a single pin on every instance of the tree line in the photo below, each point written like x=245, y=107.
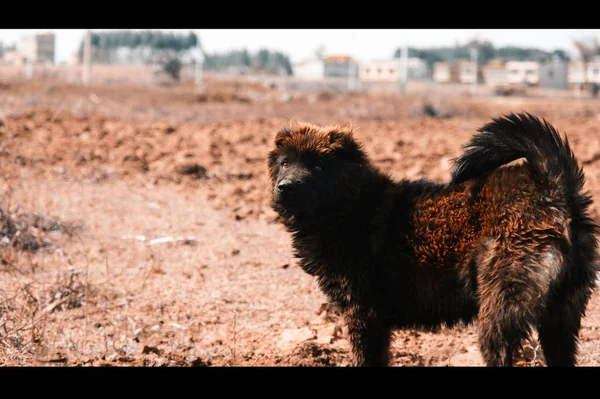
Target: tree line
x=485, y=52
x=262, y=60
x=162, y=47
x=138, y=46
x=155, y=40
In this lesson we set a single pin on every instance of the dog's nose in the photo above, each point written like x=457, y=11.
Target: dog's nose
x=285, y=186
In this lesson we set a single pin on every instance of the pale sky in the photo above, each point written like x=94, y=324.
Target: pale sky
x=363, y=44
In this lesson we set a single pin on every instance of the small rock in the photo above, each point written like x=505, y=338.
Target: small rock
x=290, y=338
x=199, y=363
x=150, y=349
x=192, y=169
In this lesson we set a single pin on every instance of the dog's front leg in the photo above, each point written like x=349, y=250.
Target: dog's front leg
x=369, y=337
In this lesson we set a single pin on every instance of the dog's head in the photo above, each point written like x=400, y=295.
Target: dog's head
x=314, y=169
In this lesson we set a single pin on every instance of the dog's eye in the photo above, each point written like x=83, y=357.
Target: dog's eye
x=318, y=168
x=285, y=163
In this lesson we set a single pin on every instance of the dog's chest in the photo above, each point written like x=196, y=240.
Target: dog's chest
x=335, y=263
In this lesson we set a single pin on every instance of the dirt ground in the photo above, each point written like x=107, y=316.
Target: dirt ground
x=136, y=229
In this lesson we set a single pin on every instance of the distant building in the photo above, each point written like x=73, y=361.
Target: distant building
x=461, y=71
x=523, y=72
x=593, y=71
x=329, y=66
x=444, y=72
x=554, y=74
x=313, y=69
x=383, y=71
x=340, y=66
x=38, y=48
x=495, y=73
x=389, y=71
x=467, y=72
x=417, y=69
x=580, y=78
x=575, y=74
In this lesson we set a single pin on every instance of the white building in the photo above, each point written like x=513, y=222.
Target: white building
x=38, y=48
x=389, y=71
x=383, y=71
x=443, y=72
x=523, y=72
x=467, y=72
x=495, y=73
x=461, y=71
x=580, y=78
x=593, y=71
x=330, y=66
x=575, y=73
x=313, y=69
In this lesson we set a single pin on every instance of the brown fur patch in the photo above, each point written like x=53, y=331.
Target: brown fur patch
x=306, y=137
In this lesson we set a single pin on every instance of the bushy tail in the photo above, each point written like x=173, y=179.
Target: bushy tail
x=554, y=166
x=516, y=136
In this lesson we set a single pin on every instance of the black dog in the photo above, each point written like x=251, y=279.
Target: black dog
x=513, y=247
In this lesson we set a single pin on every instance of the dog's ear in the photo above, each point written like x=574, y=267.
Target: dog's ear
x=282, y=135
x=343, y=145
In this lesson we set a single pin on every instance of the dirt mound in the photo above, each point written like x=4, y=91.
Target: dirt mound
x=510, y=91
x=310, y=354
x=228, y=158
x=226, y=91
x=222, y=96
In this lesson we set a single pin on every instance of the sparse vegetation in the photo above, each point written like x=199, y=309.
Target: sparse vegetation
x=263, y=60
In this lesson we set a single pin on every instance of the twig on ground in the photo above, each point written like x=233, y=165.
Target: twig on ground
x=160, y=240
x=454, y=352
x=233, y=360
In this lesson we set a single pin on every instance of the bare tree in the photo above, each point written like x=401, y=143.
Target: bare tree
x=319, y=51
x=587, y=47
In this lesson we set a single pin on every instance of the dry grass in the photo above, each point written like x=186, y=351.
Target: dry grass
x=97, y=298
x=179, y=265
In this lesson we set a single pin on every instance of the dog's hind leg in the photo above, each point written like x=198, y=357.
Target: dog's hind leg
x=559, y=325
x=502, y=327
x=510, y=290
x=558, y=328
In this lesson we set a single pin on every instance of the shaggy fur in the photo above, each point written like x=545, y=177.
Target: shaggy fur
x=511, y=247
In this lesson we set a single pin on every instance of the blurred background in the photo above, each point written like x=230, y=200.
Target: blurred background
x=498, y=61
x=135, y=218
